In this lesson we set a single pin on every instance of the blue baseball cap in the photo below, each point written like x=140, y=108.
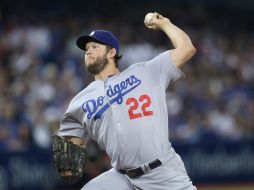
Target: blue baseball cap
x=99, y=36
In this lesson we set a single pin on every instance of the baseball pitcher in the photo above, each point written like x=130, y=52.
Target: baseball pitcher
x=126, y=114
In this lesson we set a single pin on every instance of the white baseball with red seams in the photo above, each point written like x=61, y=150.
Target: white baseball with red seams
x=148, y=18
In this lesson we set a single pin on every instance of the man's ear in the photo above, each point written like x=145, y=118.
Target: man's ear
x=112, y=52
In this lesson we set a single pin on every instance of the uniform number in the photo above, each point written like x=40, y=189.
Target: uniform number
x=145, y=100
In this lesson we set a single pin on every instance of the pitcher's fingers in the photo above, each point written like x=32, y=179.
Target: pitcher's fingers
x=158, y=16
x=66, y=173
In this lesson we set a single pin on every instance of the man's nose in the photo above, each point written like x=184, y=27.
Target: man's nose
x=88, y=52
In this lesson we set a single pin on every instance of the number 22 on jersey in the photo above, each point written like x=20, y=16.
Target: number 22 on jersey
x=143, y=102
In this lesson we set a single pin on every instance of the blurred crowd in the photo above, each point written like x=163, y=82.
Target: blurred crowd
x=41, y=69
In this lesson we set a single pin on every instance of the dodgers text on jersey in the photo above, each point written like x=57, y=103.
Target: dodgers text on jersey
x=115, y=93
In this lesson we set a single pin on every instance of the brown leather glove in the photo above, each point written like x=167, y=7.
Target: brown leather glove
x=68, y=157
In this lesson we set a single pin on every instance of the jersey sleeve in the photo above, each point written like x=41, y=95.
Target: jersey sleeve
x=70, y=126
x=163, y=70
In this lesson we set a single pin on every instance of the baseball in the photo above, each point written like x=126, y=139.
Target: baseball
x=148, y=18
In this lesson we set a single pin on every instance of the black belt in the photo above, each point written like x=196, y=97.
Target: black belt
x=137, y=172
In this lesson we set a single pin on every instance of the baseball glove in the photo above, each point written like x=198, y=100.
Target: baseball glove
x=68, y=157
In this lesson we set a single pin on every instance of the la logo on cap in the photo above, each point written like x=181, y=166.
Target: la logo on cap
x=92, y=33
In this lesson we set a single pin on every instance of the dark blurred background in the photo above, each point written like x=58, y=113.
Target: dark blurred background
x=211, y=110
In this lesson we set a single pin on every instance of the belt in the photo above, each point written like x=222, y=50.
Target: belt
x=137, y=172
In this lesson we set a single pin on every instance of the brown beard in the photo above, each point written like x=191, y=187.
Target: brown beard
x=98, y=65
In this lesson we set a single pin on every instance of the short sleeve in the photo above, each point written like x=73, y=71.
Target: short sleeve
x=69, y=126
x=162, y=69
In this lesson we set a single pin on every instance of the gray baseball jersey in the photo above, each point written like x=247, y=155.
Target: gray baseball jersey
x=126, y=114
